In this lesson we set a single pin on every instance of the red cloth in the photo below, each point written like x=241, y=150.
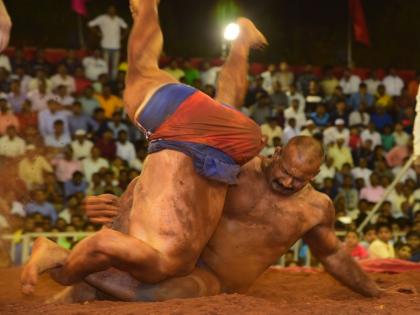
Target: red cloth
x=359, y=252
x=389, y=265
x=360, y=29
x=200, y=119
x=79, y=6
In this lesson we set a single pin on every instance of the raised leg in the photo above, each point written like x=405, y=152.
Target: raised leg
x=232, y=83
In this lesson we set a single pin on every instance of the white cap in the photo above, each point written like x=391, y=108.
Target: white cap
x=80, y=132
x=339, y=121
x=309, y=122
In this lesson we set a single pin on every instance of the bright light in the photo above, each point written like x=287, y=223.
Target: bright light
x=232, y=32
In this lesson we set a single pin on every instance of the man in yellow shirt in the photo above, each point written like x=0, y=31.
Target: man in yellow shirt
x=109, y=102
x=340, y=153
x=32, y=168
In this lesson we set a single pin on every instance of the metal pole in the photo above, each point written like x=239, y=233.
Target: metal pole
x=386, y=194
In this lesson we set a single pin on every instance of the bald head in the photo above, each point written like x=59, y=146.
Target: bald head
x=307, y=150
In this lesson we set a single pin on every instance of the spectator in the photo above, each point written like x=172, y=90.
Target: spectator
x=107, y=145
x=294, y=112
x=53, y=190
x=94, y=163
x=95, y=65
x=292, y=94
x=382, y=98
x=349, y=193
x=16, y=97
x=359, y=117
x=404, y=251
x=400, y=136
x=362, y=96
x=80, y=121
x=111, y=185
x=340, y=153
x=339, y=130
x=313, y=97
x=356, y=250
x=413, y=239
x=63, y=78
x=80, y=145
x=329, y=83
x=125, y=149
x=116, y=124
x=372, y=82
x=138, y=162
x=66, y=165
x=305, y=78
x=354, y=140
x=75, y=184
x=27, y=118
x=209, y=74
x=21, y=77
x=96, y=185
x=40, y=63
x=47, y=117
x=59, y=139
x=89, y=102
x=320, y=117
x=190, y=73
x=12, y=146
x=82, y=83
x=72, y=62
x=284, y=76
x=271, y=129
x=388, y=140
x=397, y=155
x=362, y=171
x=40, y=205
x=40, y=97
x=6, y=117
x=5, y=63
x=109, y=102
x=369, y=235
x=374, y=192
x=63, y=97
x=381, y=247
x=174, y=70
x=290, y=131
x=111, y=29
x=280, y=99
x=371, y=134
x=327, y=170
x=380, y=118
x=340, y=112
x=393, y=83
x=350, y=82
x=310, y=129
x=269, y=78
x=262, y=109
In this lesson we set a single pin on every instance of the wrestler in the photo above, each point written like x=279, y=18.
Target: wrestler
x=5, y=26
x=197, y=145
x=272, y=206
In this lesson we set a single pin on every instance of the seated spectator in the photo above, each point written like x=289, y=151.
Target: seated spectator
x=5, y=63
x=280, y=99
x=138, y=162
x=339, y=130
x=4, y=81
x=329, y=188
x=304, y=79
x=80, y=145
x=320, y=117
x=16, y=97
x=103, y=80
x=403, y=251
x=362, y=171
x=190, y=73
x=40, y=205
x=21, y=76
x=107, y=145
x=63, y=78
x=349, y=193
x=71, y=61
x=369, y=235
x=355, y=141
x=382, y=98
x=41, y=78
x=95, y=65
x=7, y=118
x=271, y=129
x=359, y=117
x=393, y=83
x=89, y=102
x=209, y=74
x=350, y=82
x=96, y=185
x=268, y=150
x=381, y=247
x=356, y=250
x=12, y=146
x=80, y=121
x=362, y=96
x=413, y=239
x=310, y=129
x=327, y=170
x=340, y=153
x=72, y=208
x=256, y=92
x=292, y=94
x=32, y=168
x=40, y=62
x=40, y=97
x=380, y=118
x=111, y=185
x=400, y=136
x=388, y=140
x=284, y=76
x=66, y=165
x=329, y=82
x=82, y=83
x=340, y=112
x=398, y=154
x=94, y=163
x=110, y=103
x=27, y=118
x=174, y=70
x=125, y=149
x=374, y=192
x=47, y=117
x=294, y=112
x=116, y=124
x=290, y=131
x=75, y=184
x=372, y=82
x=370, y=133
x=53, y=190
x=59, y=139
x=262, y=109
x=63, y=97
x=313, y=97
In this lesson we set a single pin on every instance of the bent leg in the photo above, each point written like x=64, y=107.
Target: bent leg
x=232, y=83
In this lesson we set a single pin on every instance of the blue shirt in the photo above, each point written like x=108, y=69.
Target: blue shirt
x=46, y=209
x=70, y=188
x=381, y=121
x=83, y=122
x=320, y=121
x=356, y=98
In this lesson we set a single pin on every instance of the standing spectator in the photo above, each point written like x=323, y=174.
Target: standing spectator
x=350, y=82
x=81, y=146
x=6, y=117
x=372, y=82
x=80, y=121
x=381, y=247
x=66, y=165
x=94, y=163
x=294, y=112
x=111, y=28
x=95, y=65
x=174, y=70
x=393, y=83
x=63, y=78
x=209, y=74
x=58, y=139
x=125, y=149
x=89, y=101
x=47, y=117
x=356, y=250
x=340, y=153
x=284, y=76
x=11, y=145
x=32, y=168
x=362, y=96
x=16, y=97
x=374, y=192
x=40, y=205
x=109, y=102
x=290, y=131
x=269, y=79
x=40, y=97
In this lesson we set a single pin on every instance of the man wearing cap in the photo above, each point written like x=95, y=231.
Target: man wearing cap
x=338, y=130
x=310, y=129
x=80, y=145
x=340, y=153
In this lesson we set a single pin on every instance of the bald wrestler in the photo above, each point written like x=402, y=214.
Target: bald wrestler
x=271, y=207
x=196, y=147
x=5, y=26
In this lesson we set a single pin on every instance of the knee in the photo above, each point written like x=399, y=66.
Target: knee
x=176, y=266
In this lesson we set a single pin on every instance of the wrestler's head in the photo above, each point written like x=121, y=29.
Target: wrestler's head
x=295, y=165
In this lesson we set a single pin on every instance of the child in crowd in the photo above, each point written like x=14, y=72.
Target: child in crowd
x=382, y=247
x=356, y=250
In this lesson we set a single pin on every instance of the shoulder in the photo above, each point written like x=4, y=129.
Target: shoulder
x=320, y=202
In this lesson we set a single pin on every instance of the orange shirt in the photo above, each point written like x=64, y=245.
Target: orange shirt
x=110, y=105
x=7, y=120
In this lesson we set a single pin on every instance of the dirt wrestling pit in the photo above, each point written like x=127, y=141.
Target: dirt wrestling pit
x=276, y=292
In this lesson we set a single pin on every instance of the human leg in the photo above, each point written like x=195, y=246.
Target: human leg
x=232, y=83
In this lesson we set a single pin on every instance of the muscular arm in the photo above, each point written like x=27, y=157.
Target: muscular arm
x=5, y=26
x=330, y=251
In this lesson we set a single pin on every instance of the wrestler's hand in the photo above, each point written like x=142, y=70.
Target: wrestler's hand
x=101, y=209
x=5, y=27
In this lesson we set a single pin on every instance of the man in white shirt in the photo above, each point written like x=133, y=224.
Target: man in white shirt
x=393, y=83
x=94, y=163
x=40, y=97
x=63, y=78
x=310, y=129
x=340, y=153
x=339, y=130
x=209, y=74
x=125, y=149
x=370, y=133
x=109, y=27
x=285, y=77
x=350, y=82
x=294, y=112
x=47, y=117
x=5, y=63
x=327, y=170
x=271, y=129
x=400, y=136
x=290, y=131
x=362, y=171
x=372, y=83
x=381, y=247
x=63, y=97
x=40, y=77
x=95, y=65
x=292, y=94
x=59, y=139
x=11, y=145
x=359, y=117
x=81, y=146
x=269, y=77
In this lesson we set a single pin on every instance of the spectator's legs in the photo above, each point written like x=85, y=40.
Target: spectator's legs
x=232, y=83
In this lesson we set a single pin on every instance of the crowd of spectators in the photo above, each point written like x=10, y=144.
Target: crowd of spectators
x=64, y=135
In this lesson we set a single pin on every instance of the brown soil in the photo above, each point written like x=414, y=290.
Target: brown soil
x=275, y=293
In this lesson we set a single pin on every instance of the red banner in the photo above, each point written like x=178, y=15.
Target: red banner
x=79, y=6
x=360, y=30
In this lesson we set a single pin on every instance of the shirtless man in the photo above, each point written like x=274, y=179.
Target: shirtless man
x=271, y=207
x=197, y=145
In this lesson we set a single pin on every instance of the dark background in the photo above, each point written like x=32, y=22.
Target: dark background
x=299, y=31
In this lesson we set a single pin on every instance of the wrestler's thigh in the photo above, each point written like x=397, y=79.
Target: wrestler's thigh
x=174, y=209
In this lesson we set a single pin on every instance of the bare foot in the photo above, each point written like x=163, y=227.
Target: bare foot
x=251, y=34
x=79, y=293
x=45, y=255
